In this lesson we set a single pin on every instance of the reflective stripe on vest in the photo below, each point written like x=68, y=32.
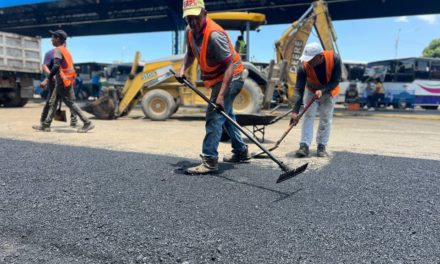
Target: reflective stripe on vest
x=313, y=82
x=212, y=75
x=67, y=73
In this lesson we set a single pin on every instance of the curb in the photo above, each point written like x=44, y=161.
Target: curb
x=405, y=116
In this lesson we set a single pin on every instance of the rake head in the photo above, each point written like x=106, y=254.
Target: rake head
x=290, y=173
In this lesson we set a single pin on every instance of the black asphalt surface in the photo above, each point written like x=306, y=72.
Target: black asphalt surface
x=64, y=204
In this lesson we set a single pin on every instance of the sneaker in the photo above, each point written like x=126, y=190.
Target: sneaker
x=321, y=151
x=303, y=150
x=237, y=157
x=41, y=127
x=209, y=165
x=87, y=126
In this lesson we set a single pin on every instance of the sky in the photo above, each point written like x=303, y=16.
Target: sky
x=362, y=40
x=358, y=40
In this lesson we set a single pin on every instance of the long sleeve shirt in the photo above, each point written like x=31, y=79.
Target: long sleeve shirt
x=320, y=70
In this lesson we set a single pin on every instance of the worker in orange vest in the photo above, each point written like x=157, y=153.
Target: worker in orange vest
x=319, y=77
x=64, y=73
x=221, y=69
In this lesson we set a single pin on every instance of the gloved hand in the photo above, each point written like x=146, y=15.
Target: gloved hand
x=180, y=78
x=218, y=108
x=294, y=119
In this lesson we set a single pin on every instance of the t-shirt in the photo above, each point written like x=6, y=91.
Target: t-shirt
x=48, y=58
x=218, y=47
x=58, y=55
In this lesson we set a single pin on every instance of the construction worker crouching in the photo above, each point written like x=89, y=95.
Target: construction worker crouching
x=64, y=73
x=221, y=70
x=319, y=76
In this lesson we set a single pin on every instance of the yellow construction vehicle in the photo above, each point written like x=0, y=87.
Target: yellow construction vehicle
x=161, y=95
x=289, y=48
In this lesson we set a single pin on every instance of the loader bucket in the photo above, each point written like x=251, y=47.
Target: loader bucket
x=103, y=108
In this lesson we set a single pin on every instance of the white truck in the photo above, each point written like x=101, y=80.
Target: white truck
x=20, y=65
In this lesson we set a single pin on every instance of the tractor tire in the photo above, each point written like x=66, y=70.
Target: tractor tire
x=250, y=99
x=178, y=101
x=158, y=105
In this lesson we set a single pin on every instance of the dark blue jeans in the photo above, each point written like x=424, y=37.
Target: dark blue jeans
x=215, y=122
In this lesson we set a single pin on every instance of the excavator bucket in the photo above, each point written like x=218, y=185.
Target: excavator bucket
x=103, y=108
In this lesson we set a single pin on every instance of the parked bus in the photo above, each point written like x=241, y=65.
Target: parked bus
x=354, y=72
x=89, y=79
x=408, y=82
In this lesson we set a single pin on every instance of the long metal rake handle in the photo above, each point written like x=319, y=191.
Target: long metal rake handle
x=288, y=172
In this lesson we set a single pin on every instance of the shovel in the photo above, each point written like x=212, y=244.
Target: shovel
x=60, y=115
x=255, y=155
x=287, y=172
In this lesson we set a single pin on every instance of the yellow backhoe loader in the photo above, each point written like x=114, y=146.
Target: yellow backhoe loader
x=289, y=48
x=161, y=95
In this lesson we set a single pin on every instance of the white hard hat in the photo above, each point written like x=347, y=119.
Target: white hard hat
x=310, y=51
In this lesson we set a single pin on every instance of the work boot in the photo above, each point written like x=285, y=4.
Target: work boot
x=209, y=165
x=235, y=157
x=321, y=151
x=41, y=127
x=87, y=126
x=303, y=150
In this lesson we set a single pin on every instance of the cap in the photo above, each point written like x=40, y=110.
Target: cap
x=310, y=51
x=59, y=33
x=192, y=7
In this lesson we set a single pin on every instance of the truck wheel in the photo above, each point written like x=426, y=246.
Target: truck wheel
x=401, y=104
x=17, y=102
x=430, y=107
x=250, y=99
x=158, y=105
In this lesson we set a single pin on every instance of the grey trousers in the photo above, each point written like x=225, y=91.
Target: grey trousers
x=325, y=106
x=51, y=87
x=64, y=94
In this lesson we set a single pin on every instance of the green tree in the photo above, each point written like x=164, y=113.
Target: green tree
x=433, y=49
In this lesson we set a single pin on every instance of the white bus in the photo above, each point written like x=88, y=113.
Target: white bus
x=354, y=75
x=418, y=77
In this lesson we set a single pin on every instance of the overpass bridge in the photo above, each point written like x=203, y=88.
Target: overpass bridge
x=100, y=17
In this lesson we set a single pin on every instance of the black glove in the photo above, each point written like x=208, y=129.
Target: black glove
x=180, y=79
x=218, y=108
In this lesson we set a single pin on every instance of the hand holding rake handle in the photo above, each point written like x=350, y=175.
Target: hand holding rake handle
x=291, y=125
x=287, y=172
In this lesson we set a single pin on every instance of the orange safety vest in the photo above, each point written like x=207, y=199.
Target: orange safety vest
x=67, y=73
x=329, y=64
x=212, y=75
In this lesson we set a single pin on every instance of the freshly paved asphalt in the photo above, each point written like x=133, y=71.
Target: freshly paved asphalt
x=64, y=204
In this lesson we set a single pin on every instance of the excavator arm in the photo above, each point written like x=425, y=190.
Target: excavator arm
x=290, y=46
